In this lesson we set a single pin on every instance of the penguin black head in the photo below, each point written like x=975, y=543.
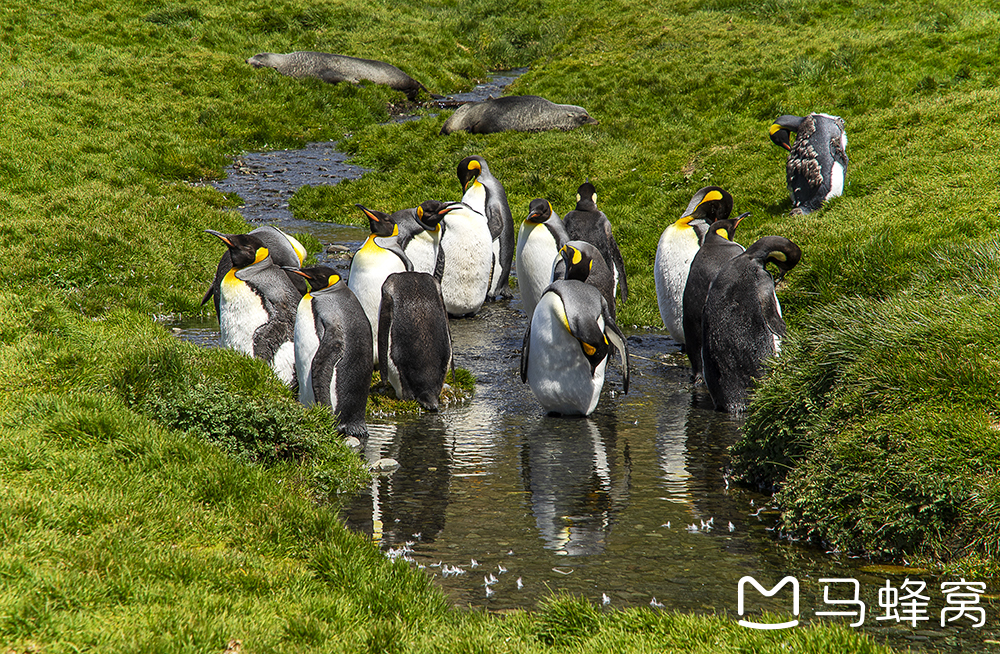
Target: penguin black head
x=430, y=213
x=244, y=249
x=726, y=227
x=710, y=203
x=781, y=128
x=470, y=169
x=539, y=211
x=777, y=250
x=578, y=264
x=319, y=276
x=381, y=223
x=586, y=197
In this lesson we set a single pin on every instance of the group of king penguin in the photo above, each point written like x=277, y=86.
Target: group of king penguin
x=420, y=266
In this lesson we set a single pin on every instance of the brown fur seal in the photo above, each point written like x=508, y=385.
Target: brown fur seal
x=516, y=113
x=333, y=68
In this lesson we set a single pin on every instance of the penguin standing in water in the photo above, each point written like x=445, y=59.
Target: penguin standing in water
x=494, y=206
x=582, y=261
x=741, y=323
x=678, y=244
x=414, y=339
x=465, y=260
x=817, y=162
x=286, y=252
x=420, y=234
x=588, y=223
x=566, y=348
x=379, y=257
x=542, y=234
x=332, y=346
x=257, y=304
x=716, y=250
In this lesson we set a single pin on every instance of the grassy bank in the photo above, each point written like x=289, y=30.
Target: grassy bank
x=159, y=497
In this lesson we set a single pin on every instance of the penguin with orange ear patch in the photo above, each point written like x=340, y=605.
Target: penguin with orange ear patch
x=257, y=304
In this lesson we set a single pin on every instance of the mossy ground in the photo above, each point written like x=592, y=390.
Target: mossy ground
x=133, y=522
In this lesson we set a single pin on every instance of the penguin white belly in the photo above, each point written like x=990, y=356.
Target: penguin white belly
x=306, y=345
x=423, y=251
x=536, y=253
x=558, y=372
x=497, y=268
x=368, y=272
x=836, y=181
x=241, y=312
x=283, y=363
x=468, y=260
x=674, y=253
x=393, y=371
x=333, y=389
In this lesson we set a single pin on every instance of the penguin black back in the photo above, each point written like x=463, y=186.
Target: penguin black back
x=588, y=223
x=741, y=322
x=717, y=248
x=594, y=272
x=817, y=161
x=414, y=339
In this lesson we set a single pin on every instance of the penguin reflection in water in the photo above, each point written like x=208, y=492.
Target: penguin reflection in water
x=257, y=304
x=741, y=321
x=332, y=349
x=414, y=339
x=568, y=342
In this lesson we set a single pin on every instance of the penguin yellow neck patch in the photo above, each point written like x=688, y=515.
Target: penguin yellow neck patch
x=261, y=255
x=588, y=349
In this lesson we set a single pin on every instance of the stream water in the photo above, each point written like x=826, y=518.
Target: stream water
x=629, y=507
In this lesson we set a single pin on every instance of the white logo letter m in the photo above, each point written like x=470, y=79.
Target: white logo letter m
x=770, y=593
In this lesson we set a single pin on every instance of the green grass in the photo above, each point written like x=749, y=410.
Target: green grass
x=159, y=497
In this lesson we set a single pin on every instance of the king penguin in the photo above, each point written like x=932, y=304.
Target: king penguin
x=285, y=250
x=414, y=339
x=676, y=249
x=380, y=256
x=566, y=348
x=420, y=234
x=582, y=261
x=717, y=248
x=494, y=206
x=257, y=304
x=465, y=259
x=332, y=346
x=588, y=223
x=741, y=324
x=542, y=234
x=817, y=162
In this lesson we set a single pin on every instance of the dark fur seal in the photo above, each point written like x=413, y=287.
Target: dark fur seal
x=516, y=113
x=333, y=68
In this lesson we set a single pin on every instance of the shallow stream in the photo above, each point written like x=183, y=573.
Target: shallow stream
x=630, y=507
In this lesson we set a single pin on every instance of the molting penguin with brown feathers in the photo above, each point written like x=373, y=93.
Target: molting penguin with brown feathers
x=332, y=349
x=741, y=323
x=588, y=223
x=257, y=304
x=676, y=248
x=494, y=206
x=716, y=250
x=817, y=161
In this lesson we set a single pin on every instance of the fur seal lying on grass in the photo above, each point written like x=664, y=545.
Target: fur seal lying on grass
x=333, y=68
x=516, y=113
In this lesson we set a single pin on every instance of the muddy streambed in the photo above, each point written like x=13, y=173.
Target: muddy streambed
x=505, y=506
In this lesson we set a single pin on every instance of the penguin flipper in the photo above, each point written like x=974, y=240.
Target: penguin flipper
x=439, y=265
x=617, y=338
x=617, y=261
x=524, y=352
x=330, y=352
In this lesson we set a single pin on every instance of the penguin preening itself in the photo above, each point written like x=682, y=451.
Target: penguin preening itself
x=817, y=161
x=566, y=348
x=741, y=323
x=420, y=234
x=678, y=244
x=285, y=250
x=588, y=223
x=582, y=261
x=716, y=250
x=465, y=259
x=380, y=256
x=257, y=304
x=493, y=205
x=332, y=348
x=414, y=339
x=542, y=234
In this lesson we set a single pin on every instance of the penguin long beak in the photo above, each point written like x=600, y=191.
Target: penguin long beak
x=224, y=237
x=745, y=214
x=297, y=271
